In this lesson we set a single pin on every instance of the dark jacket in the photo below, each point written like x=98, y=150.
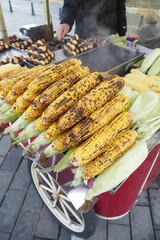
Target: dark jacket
x=149, y=35
x=95, y=17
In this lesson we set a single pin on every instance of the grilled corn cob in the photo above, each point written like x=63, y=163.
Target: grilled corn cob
x=42, y=101
x=141, y=78
x=95, y=99
x=136, y=86
x=6, y=80
x=69, y=97
x=53, y=131
x=93, y=123
x=97, y=143
x=5, y=75
x=21, y=86
x=6, y=87
x=121, y=144
x=41, y=83
x=20, y=105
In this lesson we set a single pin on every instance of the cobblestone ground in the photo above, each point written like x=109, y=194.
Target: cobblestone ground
x=23, y=215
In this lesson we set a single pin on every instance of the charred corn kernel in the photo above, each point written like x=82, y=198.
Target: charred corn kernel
x=121, y=144
x=155, y=89
x=92, y=124
x=70, y=97
x=6, y=87
x=38, y=125
x=53, y=131
x=45, y=80
x=141, y=78
x=136, y=86
x=3, y=76
x=42, y=101
x=20, y=105
x=95, y=99
x=96, y=144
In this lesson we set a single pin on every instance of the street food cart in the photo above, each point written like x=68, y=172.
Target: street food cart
x=65, y=201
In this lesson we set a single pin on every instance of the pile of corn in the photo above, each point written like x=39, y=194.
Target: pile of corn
x=75, y=107
x=141, y=82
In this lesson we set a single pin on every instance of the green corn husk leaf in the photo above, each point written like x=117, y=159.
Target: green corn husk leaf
x=37, y=143
x=49, y=152
x=5, y=107
x=27, y=133
x=119, y=171
x=78, y=175
x=149, y=60
x=64, y=162
x=144, y=105
x=19, y=124
x=1, y=102
x=10, y=117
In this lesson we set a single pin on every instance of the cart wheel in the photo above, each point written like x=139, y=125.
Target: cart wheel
x=81, y=225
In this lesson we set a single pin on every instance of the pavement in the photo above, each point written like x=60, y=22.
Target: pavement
x=24, y=216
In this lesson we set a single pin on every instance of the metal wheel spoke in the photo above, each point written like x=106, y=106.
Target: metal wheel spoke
x=72, y=211
x=64, y=197
x=45, y=179
x=59, y=189
x=65, y=212
x=53, y=184
x=46, y=188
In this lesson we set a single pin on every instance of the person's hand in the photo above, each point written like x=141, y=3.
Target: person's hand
x=62, y=30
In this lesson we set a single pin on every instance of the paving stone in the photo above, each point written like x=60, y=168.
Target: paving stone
x=4, y=236
x=101, y=230
x=1, y=160
x=5, y=180
x=141, y=223
x=120, y=232
x=22, y=178
x=143, y=200
x=33, y=201
x=12, y=160
x=47, y=226
x=157, y=235
x=124, y=220
x=25, y=226
x=64, y=235
x=154, y=196
x=10, y=209
x=156, y=183
x=73, y=237
x=5, y=145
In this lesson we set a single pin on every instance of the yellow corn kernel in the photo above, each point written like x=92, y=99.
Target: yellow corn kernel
x=136, y=86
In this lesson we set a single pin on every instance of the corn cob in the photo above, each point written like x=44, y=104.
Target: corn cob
x=21, y=86
x=97, y=143
x=121, y=144
x=155, y=89
x=41, y=83
x=42, y=101
x=157, y=78
x=6, y=87
x=5, y=75
x=92, y=124
x=8, y=67
x=95, y=99
x=69, y=97
x=20, y=105
x=141, y=78
x=6, y=80
x=136, y=86
x=53, y=131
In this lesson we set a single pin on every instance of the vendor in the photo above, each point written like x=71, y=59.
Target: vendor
x=149, y=33
x=93, y=18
